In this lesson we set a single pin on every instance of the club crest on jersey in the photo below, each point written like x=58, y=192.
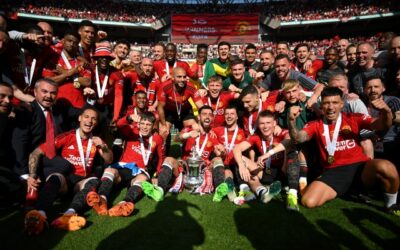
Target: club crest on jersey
x=346, y=129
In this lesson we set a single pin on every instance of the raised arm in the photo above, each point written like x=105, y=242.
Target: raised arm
x=298, y=136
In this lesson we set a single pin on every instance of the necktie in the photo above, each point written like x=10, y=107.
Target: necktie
x=50, y=146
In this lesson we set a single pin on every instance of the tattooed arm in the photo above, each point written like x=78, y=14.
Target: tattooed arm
x=33, y=180
x=298, y=136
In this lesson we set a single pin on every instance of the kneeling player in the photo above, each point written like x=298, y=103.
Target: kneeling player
x=78, y=148
x=337, y=136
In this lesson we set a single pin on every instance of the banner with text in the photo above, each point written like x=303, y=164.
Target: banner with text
x=214, y=28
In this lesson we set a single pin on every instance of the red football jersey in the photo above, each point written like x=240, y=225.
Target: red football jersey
x=66, y=90
x=160, y=68
x=348, y=149
x=312, y=72
x=240, y=136
x=277, y=159
x=223, y=101
x=191, y=142
x=133, y=153
x=268, y=104
x=173, y=99
x=66, y=142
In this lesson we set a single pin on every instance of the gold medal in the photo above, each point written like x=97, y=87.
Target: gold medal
x=331, y=159
x=77, y=85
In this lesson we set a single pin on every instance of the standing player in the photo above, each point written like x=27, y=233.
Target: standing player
x=216, y=98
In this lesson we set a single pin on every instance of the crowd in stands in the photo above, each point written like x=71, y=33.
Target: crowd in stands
x=284, y=11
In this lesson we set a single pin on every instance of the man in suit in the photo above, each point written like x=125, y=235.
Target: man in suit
x=33, y=126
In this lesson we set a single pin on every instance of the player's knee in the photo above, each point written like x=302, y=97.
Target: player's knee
x=387, y=170
x=309, y=202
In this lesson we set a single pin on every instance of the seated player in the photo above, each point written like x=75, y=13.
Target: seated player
x=230, y=135
x=132, y=170
x=78, y=149
x=204, y=145
x=267, y=168
x=337, y=136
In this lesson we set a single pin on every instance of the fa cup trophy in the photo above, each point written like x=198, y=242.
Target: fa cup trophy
x=194, y=166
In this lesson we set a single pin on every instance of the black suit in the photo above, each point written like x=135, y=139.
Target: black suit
x=30, y=130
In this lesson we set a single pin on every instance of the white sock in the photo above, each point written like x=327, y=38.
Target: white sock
x=70, y=211
x=261, y=190
x=42, y=213
x=293, y=191
x=390, y=199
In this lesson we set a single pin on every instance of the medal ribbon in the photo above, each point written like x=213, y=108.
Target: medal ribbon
x=84, y=158
x=198, y=149
x=101, y=89
x=145, y=153
x=230, y=146
x=331, y=144
x=251, y=128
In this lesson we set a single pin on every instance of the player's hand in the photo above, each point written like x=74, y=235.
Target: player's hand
x=259, y=75
x=302, y=96
x=280, y=107
x=32, y=183
x=151, y=109
x=261, y=160
x=380, y=104
x=213, y=135
x=32, y=37
x=220, y=150
x=202, y=92
x=352, y=96
x=164, y=131
x=244, y=174
x=154, y=181
x=194, y=133
x=135, y=117
x=165, y=78
x=253, y=73
x=101, y=34
x=89, y=92
x=97, y=141
x=307, y=65
x=294, y=112
x=311, y=101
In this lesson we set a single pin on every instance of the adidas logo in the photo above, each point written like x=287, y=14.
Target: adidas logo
x=71, y=147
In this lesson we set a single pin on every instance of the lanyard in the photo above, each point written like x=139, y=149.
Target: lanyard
x=178, y=107
x=84, y=158
x=198, y=149
x=101, y=89
x=251, y=128
x=216, y=106
x=27, y=78
x=145, y=153
x=167, y=67
x=230, y=146
x=331, y=144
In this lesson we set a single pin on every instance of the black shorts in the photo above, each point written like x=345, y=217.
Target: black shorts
x=173, y=118
x=343, y=177
x=271, y=176
x=56, y=165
